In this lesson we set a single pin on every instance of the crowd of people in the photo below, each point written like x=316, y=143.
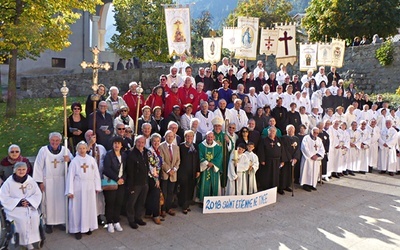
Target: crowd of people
x=225, y=131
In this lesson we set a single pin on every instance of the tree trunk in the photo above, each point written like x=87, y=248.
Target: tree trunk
x=11, y=110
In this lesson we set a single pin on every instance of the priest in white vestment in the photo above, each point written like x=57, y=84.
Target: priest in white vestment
x=20, y=197
x=375, y=133
x=83, y=182
x=365, y=141
x=387, y=145
x=49, y=172
x=334, y=149
x=205, y=117
x=353, y=154
x=238, y=115
x=237, y=171
x=313, y=151
x=254, y=164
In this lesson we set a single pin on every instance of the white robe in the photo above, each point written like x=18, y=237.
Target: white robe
x=309, y=169
x=353, y=154
x=26, y=219
x=238, y=117
x=237, y=175
x=82, y=208
x=333, y=155
x=254, y=163
x=375, y=134
x=344, y=142
x=387, y=155
x=266, y=99
x=205, y=124
x=363, y=157
x=52, y=175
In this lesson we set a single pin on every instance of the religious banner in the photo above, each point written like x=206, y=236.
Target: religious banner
x=239, y=203
x=177, y=21
x=269, y=41
x=308, y=57
x=338, y=47
x=286, y=44
x=249, y=38
x=324, y=54
x=231, y=38
x=212, y=49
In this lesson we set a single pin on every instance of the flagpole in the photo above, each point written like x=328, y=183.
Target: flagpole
x=64, y=91
x=139, y=92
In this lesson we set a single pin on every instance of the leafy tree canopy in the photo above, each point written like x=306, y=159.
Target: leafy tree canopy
x=200, y=29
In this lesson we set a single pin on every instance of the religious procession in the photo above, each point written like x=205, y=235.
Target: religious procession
x=225, y=130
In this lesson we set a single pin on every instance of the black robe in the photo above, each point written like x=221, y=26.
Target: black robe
x=189, y=166
x=280, y=115
x=294, y=119
x=291, y=145
x=325, y=140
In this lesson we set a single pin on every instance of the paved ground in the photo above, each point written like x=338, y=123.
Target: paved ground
x=361, y=212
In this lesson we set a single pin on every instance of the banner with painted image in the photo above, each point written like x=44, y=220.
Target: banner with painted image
x=286, y=44
x=231, y=38
x=308, y=57
x=324, y=57
x=212, y=49
x=338, y=48
x=177, y=22
x=249, y=38
x=269, y=41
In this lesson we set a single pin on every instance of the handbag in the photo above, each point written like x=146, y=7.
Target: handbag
x=108, y=184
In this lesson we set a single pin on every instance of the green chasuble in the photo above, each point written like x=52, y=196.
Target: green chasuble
x=220, y=140
x=209, y=178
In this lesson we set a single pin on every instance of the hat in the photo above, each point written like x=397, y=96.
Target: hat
x=156, y=107
x=146, y=107
x=19, y=165
x=176, y=107
x=225, y=80
x=188, y=105
x=117, y=139
x=217, y=121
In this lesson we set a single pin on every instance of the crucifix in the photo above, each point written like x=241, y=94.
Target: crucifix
x=269, y=44
x=272, y=144
x=316, y=147
x=285, y=39
x=23, y=188
x=84, y=166
x=55, y=163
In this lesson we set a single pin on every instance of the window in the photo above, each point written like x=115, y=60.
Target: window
x=58, y=62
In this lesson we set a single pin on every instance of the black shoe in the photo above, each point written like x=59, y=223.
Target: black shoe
x=391, y=173
x=330, y=177
x=48, y=229
x=352, y=174
x=133, y=225
x=61, y=227
x=306, y=188
x=89, y=232
x=335, y=175
x=370, y=169
x=362, y=172
x=280, y=191
x=382, y=172
x=141, y=222
x=398, y=172
x=313, y=188
x=78, y=236
x=340, y=174
x=288, y=189
x=345, y=173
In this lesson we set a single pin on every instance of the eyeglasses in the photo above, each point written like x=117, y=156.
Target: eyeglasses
x=211, y=105
x=245, y=131
x=233, y=127
x=163, y=79
x=77, y=108
x=121, y=128
x=124, y=110
x=14, y=152
x=103, y=106
x=174, y=87
x=129, y=131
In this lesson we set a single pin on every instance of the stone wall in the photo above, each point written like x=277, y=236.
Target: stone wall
x=360, y=65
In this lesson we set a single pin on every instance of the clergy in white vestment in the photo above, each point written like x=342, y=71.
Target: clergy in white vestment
x=237, y=171
x=387, y=145
x=365, y=142
x=238, y=115
x=181, y=65
x=313, y=152
x=253, y=99
x=266, y=97
x=353, y=154
x=83, y=182
x=344, y=142
x=20, y=197
x=49, y=172
x=375, y=133
x=334, y=149
x=205, y=117
x=254, y=165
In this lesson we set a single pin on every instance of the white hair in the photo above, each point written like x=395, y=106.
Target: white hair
x=113, y=88
x=55, y=134
x=13, y=146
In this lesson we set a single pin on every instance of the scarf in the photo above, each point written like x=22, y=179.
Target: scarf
x=20, y=179
x=9, y=162
x=125, y=120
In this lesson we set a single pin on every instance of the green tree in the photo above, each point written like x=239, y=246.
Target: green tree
x=350, y=18
x=29, y=27
x=141, y=30
x=269, y=12
x=200, y=29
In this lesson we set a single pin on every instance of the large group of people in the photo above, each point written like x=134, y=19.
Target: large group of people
x=225, y=131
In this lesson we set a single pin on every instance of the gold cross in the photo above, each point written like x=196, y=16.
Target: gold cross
x=23, y=188
x=315, y=146
x=55, y=163
x=84, y=166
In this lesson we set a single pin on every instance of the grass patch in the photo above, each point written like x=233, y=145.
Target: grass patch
x=36, y=118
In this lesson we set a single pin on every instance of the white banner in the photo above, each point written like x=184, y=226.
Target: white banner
x=249, y=38
x=231, y=38
x=212, y=49
x=269, y=41
x=338, y=47
x=177, y=22
x=239, y=203
x=286, y=44
x=308, y=57
x=324, y=54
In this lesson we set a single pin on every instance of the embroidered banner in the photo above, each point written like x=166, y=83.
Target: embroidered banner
x=269, y=41
x=231, y=38
x=338, y=47
x=177, y=21
x=249, y=38
x=308, y=57
x=286, y=44
x=212, y=49
x=324, y=54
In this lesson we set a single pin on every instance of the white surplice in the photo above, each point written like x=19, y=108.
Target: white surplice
x=309, y=169
x=237, y=175
x=26, y=219
x=254, y=163
x=83, y=181
x=49, y=169
x=387, y=154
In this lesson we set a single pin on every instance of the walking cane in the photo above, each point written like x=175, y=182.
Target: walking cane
x=64, y=91
x=292, y=179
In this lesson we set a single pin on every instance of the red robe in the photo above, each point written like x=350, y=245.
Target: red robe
x=171, y=100
x=187, y=95
x=198, y=99
x=132, y=100
x=154, y=100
